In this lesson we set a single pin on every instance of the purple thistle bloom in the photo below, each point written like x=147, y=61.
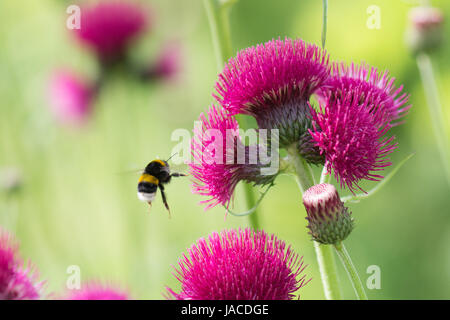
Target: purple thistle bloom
x=215, y=168
x=70, y=98
x=16, y=281
x=273, y=82
x=269, y=75
x=109, y=26
x=368, y=86
x=97, y=291
x=351, y=135
x=239, y=265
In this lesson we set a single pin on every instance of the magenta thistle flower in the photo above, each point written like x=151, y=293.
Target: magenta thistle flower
x=271, y=74
x=367, y=85
x=108, y=27
x=351, y=136
x=239, y=265
x=216, y=147
x=97, y=291
x=70, y=98
x=17, y=282
x=273, y=83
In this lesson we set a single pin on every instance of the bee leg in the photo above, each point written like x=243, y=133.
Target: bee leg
x=176, y=174
x=150, y=206
x=164, y=198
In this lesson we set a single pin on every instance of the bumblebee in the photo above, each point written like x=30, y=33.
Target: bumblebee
x=156, y=174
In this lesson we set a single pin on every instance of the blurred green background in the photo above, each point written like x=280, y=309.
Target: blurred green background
x=76, y=207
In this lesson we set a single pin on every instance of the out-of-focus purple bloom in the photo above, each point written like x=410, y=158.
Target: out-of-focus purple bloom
x=109, y=27
x=239, y=265
x=425, y=31
x=70, y=97
x=167, y=64
x=426, y=17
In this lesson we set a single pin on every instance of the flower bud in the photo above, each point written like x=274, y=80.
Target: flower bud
x=425, y=32
x=329, y=221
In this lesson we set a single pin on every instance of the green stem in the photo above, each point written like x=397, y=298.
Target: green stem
x=324, y=253
x=324, y=177
x=351, y=271
x=328, y=273
x=382, y=183
x=305, y=178
x=250, y=197
x=324, y=22
x=218, y=16
x=435, y=108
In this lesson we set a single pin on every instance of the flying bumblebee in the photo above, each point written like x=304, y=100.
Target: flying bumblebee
x=156, y=174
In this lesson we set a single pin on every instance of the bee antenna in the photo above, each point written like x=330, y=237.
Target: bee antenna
x=172, y=156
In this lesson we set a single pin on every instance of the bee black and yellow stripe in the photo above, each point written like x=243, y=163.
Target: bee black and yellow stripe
x=147, y=187
x=148, y=178
x=162, y=163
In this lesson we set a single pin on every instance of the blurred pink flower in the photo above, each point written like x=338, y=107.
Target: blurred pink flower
x=70, y=97
x=167, y=64
x=17, y=282
x=97, y=291
x=426, y=17
x=426, y=30
x=109, y=26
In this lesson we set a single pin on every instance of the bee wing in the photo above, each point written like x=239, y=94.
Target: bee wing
x=130, y=171
x=179, y=168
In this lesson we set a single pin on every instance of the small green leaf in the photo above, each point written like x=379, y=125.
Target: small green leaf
x=356, y=198
x=250, y=211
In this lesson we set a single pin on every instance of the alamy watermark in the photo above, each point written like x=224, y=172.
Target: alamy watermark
x=74, y=19
x=262, y=147
x=374, y=280
x=74, y=277
x=374, y=18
